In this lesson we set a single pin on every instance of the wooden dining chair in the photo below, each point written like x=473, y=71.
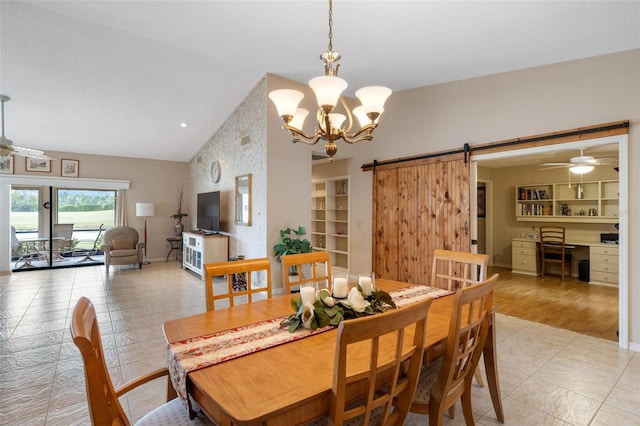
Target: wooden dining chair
x=381, y=390
x=452, y=270
x=449, y=378
x=102, y=397
x=303, y=268
x=553, y=249
x=246, y=279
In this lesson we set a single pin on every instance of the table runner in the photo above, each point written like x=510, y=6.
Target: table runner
x=194, y=353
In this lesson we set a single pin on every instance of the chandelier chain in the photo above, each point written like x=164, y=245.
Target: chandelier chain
x=330, y=25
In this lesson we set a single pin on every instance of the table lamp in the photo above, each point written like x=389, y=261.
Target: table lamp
x=145, y=210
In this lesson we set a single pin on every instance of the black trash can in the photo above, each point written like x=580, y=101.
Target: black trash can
x=583, y=270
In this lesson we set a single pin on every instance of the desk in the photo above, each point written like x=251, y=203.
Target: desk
x=290, y=383
x=176, y=244
x=603, y=257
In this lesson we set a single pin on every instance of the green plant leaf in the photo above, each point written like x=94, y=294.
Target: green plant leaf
x=331, y=311
x=337, y=319
x=322, y=319
x=295, y=303
x=294, y=325
x=384, y=297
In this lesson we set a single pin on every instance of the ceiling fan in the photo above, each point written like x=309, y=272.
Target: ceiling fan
x=8, y=148
x=582, y=163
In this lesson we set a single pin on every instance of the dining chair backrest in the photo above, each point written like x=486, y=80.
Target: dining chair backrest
x=554, y=249
x=390, y=363
x=452, y=270
x=102, y=397
x=468, y=329
x=303, y=268
x=246, y=280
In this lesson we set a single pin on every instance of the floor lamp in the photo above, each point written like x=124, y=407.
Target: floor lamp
x=145, y=210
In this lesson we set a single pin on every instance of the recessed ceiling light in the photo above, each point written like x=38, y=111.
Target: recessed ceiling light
x=183, y=124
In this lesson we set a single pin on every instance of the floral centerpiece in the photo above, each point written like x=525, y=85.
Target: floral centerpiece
x=327, y=310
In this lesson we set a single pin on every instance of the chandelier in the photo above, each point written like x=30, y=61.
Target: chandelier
x=328, y=90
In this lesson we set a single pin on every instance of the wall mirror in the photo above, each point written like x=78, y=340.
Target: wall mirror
x=243, y=200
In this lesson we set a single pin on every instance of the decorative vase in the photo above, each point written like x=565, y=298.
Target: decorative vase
x=179, y=227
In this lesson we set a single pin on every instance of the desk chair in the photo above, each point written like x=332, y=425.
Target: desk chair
x=554, y=249
x=245, y=278
x=104, y=405
x=446, y=380
x=313, y=267
x=381, y=391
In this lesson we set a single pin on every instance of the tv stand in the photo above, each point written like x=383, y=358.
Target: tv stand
x=200, y=248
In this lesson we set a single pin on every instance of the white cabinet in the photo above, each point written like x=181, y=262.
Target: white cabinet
x=603, y=265
x=200, y=249
x=585, y=202
x=524, y=256
x=330, y=220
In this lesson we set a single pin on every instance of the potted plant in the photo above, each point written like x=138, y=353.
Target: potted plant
x=179, y=227
x=291, y=242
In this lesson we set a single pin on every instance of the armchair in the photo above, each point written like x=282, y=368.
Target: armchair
x=121, y=247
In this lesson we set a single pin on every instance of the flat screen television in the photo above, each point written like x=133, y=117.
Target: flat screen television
x=208, y=219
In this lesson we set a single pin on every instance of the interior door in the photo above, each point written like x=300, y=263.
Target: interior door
x=419, y=206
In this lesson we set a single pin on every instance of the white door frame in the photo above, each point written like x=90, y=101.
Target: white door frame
x=623, y=164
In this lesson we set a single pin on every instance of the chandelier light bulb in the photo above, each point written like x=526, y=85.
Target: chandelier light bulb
x=327, y=89
x=299, y=117
x=286, y=102
x=373, y=98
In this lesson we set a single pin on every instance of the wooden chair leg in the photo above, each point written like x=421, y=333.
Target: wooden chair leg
x=478, y=376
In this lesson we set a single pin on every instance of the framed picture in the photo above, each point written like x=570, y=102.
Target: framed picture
x=37, y=165
x=482, y=201
x=6, y=165
x=69, y=168
x=543, y=194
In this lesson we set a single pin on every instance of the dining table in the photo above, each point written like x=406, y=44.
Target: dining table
x=291, y=383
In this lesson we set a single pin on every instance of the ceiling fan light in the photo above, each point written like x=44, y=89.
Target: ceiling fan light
x=373, y=98
x=581, y=169
x=286, y=101
x=327, y=89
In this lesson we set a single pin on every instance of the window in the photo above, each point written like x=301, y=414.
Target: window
x=24, y=209
x=86, y=209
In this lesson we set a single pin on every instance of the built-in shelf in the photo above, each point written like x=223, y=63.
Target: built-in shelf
x=585, y=202
x=330, y=220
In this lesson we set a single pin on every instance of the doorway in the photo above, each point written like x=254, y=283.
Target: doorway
x=528, y=160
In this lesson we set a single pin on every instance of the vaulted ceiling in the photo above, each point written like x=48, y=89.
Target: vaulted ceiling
x=118, y=77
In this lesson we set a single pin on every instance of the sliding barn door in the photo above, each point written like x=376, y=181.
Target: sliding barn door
x=417, y=207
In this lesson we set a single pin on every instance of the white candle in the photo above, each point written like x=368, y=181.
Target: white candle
x=307, y=294
x=340, y=287
x=365, y=285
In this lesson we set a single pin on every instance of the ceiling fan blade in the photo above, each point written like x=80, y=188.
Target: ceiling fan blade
x=29, y=152
x=606, y=161
x=552, y=166
x=557, y=164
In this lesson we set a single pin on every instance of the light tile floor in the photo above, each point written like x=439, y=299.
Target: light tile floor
x=548, y=376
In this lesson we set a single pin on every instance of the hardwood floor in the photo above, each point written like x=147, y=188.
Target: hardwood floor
x=570, y=304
